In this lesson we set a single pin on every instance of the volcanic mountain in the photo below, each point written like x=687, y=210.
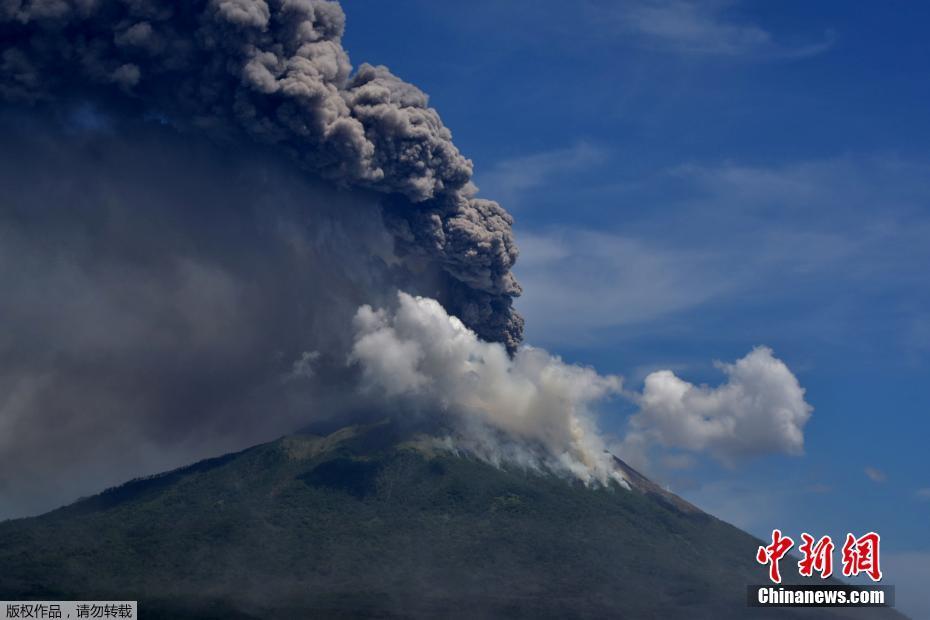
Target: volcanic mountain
x=373, y=521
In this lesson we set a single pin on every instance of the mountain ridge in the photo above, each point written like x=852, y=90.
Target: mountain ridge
x=370, y=521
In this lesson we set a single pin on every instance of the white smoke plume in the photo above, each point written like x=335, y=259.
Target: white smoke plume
x=420, y=353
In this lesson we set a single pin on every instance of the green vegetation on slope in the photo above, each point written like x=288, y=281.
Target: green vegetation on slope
x=361, y=524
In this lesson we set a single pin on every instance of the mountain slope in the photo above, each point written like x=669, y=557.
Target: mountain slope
x=367, y=522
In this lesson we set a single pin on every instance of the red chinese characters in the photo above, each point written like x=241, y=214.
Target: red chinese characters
x=860, y=555
x=817, y=556
x=773, y=553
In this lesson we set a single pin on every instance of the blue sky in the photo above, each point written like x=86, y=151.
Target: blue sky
x=692, y=180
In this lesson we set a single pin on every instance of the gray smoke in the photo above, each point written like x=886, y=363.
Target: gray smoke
x=196, y=199
x=275, y=72
x=165, y=300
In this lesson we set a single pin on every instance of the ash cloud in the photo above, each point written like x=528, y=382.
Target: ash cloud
x=166, y=300
x=275, y=72
x=196, y=198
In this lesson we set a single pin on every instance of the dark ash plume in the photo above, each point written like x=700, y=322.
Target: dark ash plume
x=275, y=71
x=165, y=300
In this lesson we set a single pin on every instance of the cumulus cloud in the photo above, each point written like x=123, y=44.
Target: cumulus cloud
x=759, y=410
x=420, y=353
x=875, y=475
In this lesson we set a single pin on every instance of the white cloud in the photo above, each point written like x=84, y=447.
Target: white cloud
x=508, y=179
x=703, y=27
x=827, y=236
x=577, y=281
x=759, y=410
x=875, y=475
x=923, y=493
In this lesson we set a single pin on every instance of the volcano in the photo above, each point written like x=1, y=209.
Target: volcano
x=374, y=521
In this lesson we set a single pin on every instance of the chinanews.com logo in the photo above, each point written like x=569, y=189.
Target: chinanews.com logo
x=860, y=555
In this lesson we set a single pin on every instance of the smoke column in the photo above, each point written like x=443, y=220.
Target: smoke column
x=420, y=352
x=275, y=73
